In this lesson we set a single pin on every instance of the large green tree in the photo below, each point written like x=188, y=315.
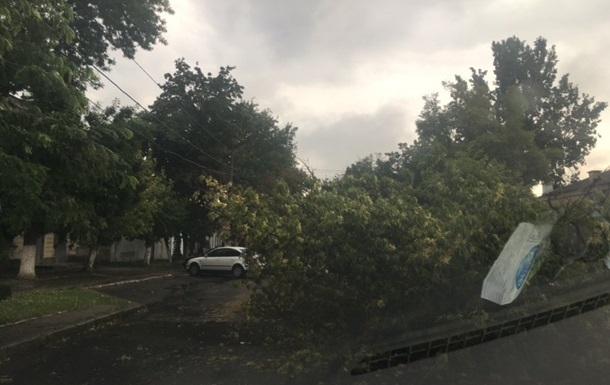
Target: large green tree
x=158, y=213
x=203, y=127
x=102, y=199
x=127, y=197
x=531, y=120
x=368, y=254
x=40, y=111
x=44, y=52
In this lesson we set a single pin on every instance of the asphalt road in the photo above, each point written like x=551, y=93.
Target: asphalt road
x=186, y=335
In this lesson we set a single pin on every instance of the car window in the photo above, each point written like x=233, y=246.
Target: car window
x=216, y=253
x=233, y=253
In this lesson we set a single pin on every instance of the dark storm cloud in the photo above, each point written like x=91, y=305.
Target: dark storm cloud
x=323, y=40
x=391, y=49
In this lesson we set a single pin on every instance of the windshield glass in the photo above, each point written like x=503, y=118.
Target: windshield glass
x=316, y=192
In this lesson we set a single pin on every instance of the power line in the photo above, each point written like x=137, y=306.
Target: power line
x=153, y=142
x=146, y=110
x=155, y=117
x=147, y=74
x=184, y=108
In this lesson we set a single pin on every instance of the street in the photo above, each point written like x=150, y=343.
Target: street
x=186, y=334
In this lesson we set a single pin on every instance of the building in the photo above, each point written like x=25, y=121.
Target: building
x=598, y=181
x=49, y=252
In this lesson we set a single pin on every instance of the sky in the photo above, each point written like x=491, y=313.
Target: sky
x=351, y=74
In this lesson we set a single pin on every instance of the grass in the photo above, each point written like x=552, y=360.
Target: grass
x=42, y=302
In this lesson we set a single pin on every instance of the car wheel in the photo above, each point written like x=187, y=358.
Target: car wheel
x=238, y=271
x=193, y=269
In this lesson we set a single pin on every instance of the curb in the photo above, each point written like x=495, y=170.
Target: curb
x=102, y=285
x=39, y=340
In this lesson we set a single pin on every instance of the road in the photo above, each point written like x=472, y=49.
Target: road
x=186, y=335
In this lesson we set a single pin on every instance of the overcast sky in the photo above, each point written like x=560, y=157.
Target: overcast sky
x=351, y=73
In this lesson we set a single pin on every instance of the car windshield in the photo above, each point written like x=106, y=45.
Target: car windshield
x=316, y=192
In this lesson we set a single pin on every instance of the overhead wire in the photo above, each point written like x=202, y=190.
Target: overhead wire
x=156, y=118
x=147, y=74
x=171, y=129
x=154, y=143
x=184, y=109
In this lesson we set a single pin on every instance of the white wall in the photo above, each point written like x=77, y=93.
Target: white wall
x=125, y=251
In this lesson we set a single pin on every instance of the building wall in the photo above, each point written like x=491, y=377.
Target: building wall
x=128, y=251
x=120, y=251
x=47, y=248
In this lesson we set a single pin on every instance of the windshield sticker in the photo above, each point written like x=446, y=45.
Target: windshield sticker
x=525, y=266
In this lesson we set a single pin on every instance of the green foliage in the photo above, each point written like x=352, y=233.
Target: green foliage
x=480, y=207
x=40, y=106
x=101, y=199
x=158, y=211
x=55, y=169
x=369, y=254
x=581, y=234
x=121, y=25
x=206, y=121
x=532, y=122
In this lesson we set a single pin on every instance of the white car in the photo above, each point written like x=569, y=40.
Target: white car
x=225, y=259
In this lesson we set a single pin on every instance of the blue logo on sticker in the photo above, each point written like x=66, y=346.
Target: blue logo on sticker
x=525, y=266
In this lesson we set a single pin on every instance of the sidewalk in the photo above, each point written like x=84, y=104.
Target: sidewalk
x=29, y=333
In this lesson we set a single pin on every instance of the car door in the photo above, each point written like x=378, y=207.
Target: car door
x=212, y=259
x=229, y=258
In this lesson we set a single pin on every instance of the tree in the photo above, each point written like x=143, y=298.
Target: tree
x=562, y=120
x=204, y=119
x=123, y=25
x=94, y=202
x=368, y=254
x=40, y=106
x=42, y=84
x=126, y=198
x=157, y=213
x=581, y=233
x=531, y=122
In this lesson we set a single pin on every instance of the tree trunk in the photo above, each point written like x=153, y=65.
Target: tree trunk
x=186, y=245
x=147, y=254
x=177, y=242
x=91, y=258
x=168, y=250
x=27, y=266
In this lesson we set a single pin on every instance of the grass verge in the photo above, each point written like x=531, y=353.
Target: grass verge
x=42, y=302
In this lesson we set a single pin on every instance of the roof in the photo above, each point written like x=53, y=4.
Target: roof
x=582, y=186
x=240, y=248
